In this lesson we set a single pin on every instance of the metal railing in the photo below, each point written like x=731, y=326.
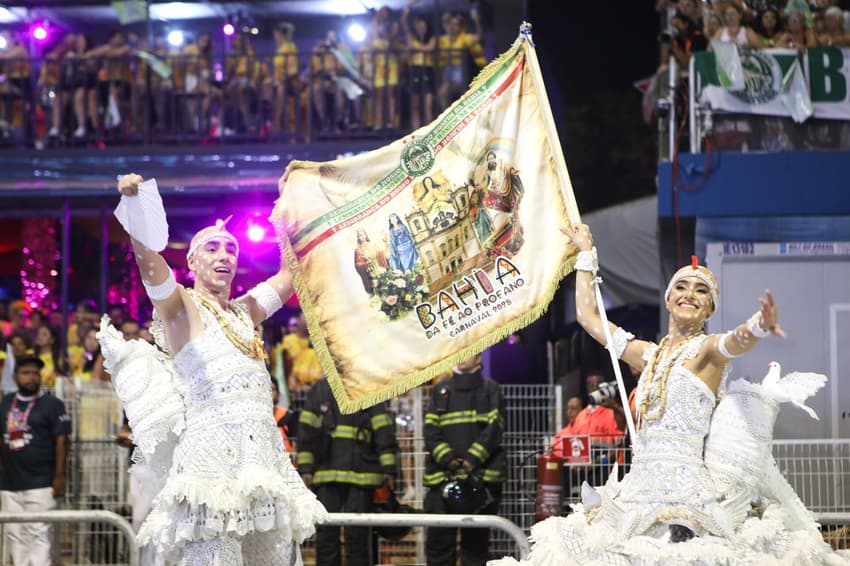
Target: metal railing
x=85, y=100
x=434, y=520
x=108, y=517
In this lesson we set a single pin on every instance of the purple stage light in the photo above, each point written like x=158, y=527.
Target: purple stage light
x=39, y=32
x=256, y=233
x=228, y=29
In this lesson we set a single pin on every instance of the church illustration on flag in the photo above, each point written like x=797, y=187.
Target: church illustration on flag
x=414, y=256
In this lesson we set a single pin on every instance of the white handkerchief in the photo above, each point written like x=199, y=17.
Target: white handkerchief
x=143, y=216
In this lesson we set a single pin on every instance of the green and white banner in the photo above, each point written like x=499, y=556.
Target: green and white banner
x=780, y=82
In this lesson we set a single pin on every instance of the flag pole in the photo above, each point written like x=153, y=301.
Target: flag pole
x=572, y=206
x=549, y=123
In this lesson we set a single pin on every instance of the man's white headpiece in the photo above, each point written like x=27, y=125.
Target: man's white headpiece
x=204, y=235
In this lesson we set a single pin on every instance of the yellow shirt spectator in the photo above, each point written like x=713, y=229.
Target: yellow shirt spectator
x=303, y=363
x=285, y=62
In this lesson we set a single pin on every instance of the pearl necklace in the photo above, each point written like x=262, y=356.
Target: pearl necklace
x=660, y=393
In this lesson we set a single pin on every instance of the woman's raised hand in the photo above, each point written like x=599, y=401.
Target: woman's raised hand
x=770, y=315
x=580, y=236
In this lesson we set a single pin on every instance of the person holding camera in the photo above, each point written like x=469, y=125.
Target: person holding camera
x=602, y=418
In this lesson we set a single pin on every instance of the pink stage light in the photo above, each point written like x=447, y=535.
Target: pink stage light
x=256, y=233
x=39, y=32
x=228, y=29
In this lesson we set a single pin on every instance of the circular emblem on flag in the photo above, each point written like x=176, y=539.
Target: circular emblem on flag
x=762, y=77
x=417, y=158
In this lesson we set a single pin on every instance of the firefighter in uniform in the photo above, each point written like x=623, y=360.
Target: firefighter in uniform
x=463, y=436
x=344, y=458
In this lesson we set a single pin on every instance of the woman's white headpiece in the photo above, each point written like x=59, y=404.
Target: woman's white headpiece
x=702, y=273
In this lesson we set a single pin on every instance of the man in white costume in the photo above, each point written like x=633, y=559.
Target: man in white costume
x=228, y=495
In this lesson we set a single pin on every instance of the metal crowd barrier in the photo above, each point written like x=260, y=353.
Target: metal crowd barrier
x=433, y=520
x=113, y=519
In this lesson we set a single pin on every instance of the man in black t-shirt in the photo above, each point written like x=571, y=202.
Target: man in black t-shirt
x=35, y=429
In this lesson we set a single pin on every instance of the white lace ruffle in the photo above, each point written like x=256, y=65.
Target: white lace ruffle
x=568, y=541
x=144, y=381
x=192, y=508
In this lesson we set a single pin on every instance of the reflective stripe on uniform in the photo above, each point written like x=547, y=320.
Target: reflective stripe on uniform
x=380, y=421
x=478, y=450
x=435, y=478
x=367, y=479
x=305, y=458
x=465, y=417
x=343, y=431
x=441, y=450
x=492, y=476
x=310, y=419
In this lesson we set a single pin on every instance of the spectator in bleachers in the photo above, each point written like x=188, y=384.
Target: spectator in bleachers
x=301, y=364
x=34, y=451
x=735, y=31
x=117, y=313
x=21, y=344
x=80, y=80
x=85, y=314
x=51, y=80
x=15, y=89
x=328, y=98
x=114, y=81
x=688, y=39
x=833, y=33
x=130, y=329
x=86, y=361
x=421, y=44
x=454, y=48
x=239, y=77
x=382, y=46
x=769, y=26
x=797, y=34
x=285, y=75
x=37, y=319
x=19, y=317
x=712, y=23
x=691, y=11
x=145, y=332
x=48, y=350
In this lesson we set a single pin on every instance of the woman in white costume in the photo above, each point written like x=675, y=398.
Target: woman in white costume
x=228, y=495
x=676, y=506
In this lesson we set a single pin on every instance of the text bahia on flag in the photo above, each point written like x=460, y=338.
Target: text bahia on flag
x=412, y=257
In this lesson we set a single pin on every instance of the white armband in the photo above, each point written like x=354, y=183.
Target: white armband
x=721, y=347
x=266, y=297
x=620, y=340
x=754, y=326
x=163, y=290
x=587, y=261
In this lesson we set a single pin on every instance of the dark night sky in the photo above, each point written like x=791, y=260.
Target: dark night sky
x=591, y=53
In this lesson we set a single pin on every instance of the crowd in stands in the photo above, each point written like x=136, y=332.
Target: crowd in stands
x=397, y=78
x=690, y=25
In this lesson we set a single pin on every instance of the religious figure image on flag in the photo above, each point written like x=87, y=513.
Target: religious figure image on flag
x=414, y=256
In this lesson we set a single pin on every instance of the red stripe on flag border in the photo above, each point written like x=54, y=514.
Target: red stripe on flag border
x=384, y=200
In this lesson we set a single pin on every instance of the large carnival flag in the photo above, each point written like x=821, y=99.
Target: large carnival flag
x=412, y=257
